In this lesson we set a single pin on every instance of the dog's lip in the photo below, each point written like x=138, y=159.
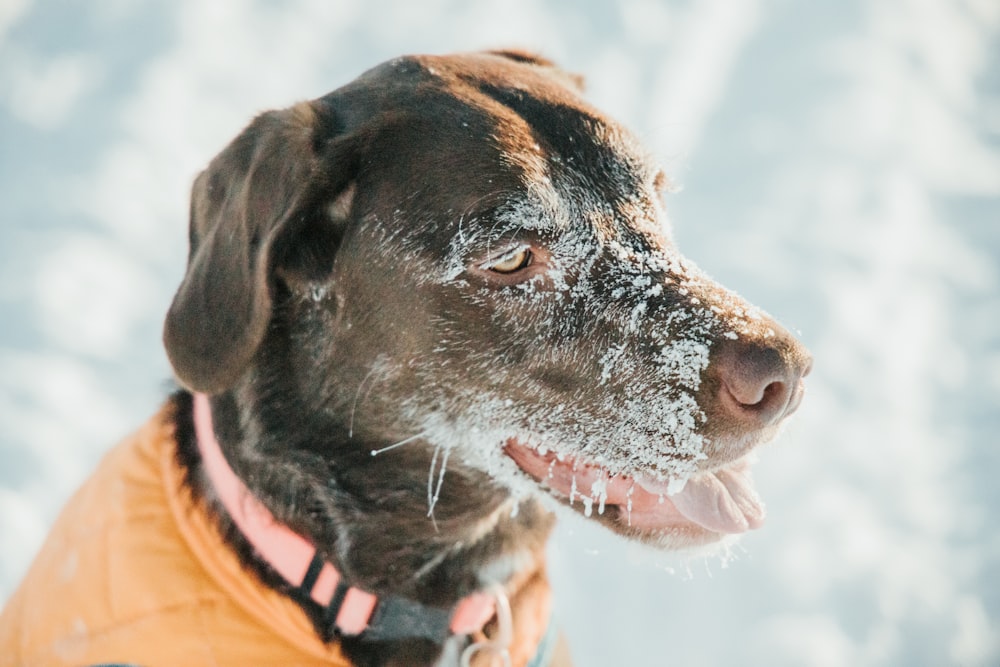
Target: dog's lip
x=722, y=501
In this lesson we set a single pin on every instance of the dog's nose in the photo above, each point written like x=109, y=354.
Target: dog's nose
x=762, y=382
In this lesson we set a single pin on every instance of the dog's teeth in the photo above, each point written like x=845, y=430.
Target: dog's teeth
x=676, y=485
x=671, y=487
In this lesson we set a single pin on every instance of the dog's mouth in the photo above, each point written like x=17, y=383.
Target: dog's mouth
x=705, y=508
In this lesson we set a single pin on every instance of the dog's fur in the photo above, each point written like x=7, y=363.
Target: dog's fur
x=342, y=296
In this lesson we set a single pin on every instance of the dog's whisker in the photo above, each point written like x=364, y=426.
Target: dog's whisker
x=469, y=211
x=429, y=565
x=376, y=452
x=440, y=481
x=357, y=396
x=430, y=487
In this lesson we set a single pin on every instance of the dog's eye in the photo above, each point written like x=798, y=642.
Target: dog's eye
x=511, y=262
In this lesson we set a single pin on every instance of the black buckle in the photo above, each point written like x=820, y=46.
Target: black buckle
x=400, y=618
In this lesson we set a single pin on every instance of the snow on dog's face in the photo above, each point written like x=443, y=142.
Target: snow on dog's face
x=459, y=255
x=526, y=314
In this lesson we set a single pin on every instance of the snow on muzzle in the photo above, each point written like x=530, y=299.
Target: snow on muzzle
x=723, y=501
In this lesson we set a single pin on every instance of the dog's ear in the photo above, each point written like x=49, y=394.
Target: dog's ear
x=271, y=191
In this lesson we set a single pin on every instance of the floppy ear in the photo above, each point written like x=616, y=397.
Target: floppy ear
x=273, y=181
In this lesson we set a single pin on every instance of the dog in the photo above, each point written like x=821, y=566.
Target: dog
x=420, y=315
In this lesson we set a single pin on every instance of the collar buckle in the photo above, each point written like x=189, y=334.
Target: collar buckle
x=495, y=647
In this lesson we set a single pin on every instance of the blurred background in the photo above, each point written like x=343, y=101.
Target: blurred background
x=838, y=164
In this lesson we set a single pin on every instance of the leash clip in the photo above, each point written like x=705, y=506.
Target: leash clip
x=496, y=647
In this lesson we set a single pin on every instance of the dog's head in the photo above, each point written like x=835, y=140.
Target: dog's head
x=460, y=254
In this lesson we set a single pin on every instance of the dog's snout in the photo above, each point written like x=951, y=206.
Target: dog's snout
x=761, y=382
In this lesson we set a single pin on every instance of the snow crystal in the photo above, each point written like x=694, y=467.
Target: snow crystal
x=599, y=491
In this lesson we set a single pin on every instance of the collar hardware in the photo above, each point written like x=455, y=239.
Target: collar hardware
x=497, y=647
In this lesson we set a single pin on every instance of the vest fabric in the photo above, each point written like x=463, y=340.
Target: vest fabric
x=132, y=572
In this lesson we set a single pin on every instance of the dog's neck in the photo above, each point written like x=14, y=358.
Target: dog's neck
x=359, y=519
x=351, y=610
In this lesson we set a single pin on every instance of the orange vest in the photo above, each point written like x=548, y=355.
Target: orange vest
x=133, y=572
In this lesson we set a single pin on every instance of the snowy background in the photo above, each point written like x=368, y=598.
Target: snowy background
x=840, y=164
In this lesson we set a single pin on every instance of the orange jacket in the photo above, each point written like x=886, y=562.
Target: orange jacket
x=88, y=598
x=134, y=572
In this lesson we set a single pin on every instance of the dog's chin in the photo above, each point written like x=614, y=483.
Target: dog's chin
x=705, y=509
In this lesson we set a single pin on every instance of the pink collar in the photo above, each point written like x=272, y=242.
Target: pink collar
x=351, y=609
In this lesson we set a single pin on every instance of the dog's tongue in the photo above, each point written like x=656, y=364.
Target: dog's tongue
x=723, y=501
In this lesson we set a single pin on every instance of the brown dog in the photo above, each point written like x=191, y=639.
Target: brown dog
x=427, y=307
